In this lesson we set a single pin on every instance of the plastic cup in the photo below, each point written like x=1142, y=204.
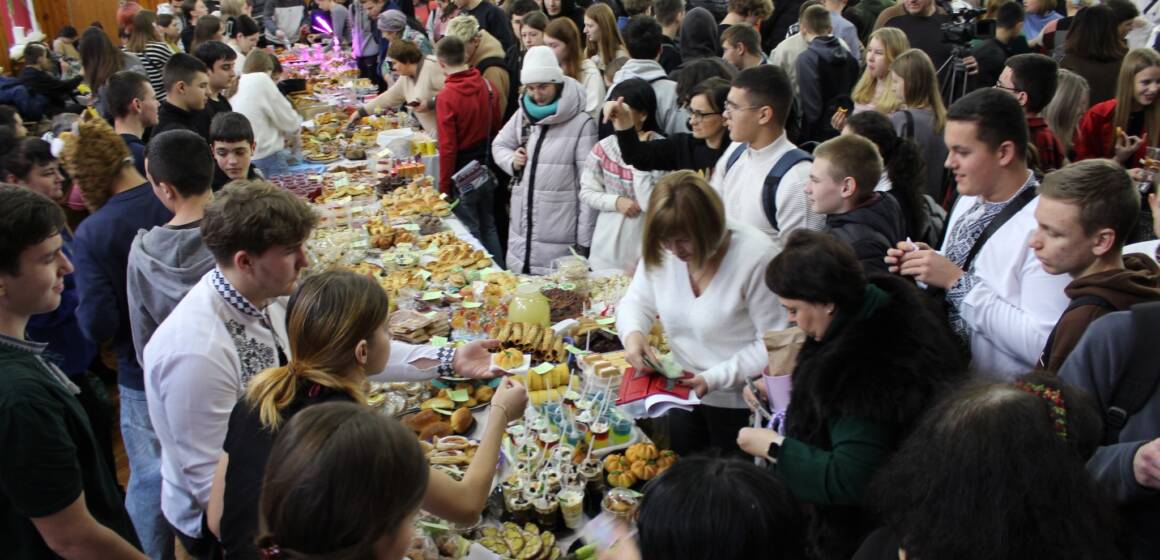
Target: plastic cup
x=521, y=510
x=621, y=430
x=572, y=507
x=547, y=510
x=599, y=434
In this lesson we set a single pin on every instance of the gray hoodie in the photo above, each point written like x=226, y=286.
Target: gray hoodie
x=672, y=118
x=1097, y=365
x=164, y=263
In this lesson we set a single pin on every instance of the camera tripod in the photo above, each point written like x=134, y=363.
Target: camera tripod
x=953, y=83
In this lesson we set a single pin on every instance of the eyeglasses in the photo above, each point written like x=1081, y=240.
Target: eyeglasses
x=999, y=85
x=731, y=107
x=698, y=116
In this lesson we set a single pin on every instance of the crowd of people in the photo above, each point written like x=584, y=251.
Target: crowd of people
x=955, y=204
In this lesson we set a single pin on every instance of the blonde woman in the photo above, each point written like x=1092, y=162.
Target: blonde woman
x=563, y=38
x=336, y=324
x=604, y=42
x=875, y=89
x=921, y=115
x=1066, y=109
x=1122, y=128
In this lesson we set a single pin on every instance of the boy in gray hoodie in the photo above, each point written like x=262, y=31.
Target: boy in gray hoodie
x=166, y=261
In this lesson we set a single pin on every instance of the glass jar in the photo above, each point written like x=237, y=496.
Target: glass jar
x=528, y=305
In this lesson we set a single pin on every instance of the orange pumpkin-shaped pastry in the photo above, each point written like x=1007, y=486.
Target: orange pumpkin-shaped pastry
x=641, y=452
x=665, y=459
x=645, y=470
x=621, y=479
x=616, y=462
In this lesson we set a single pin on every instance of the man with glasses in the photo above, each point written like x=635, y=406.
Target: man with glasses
x=755, y=112
x=1031, y=79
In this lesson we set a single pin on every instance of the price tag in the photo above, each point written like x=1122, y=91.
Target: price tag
x=341, y=183
x=431, y=296
x=409, y=227
x=439, y=342
x=610, y=331
x=606, y=321
x=472, y=305
x=424, y=273
x=458, y=396
x=543, y=368
x=575, y=351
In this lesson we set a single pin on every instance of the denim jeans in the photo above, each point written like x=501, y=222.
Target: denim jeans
x=143, y=496
x=273, y=164
x=475, y=211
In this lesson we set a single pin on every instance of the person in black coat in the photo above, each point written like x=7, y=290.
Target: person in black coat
x=37, y=77
x=845, y=172
x=699, y=150
x=877, y=355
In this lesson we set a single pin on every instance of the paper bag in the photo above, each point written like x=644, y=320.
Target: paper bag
x=783, y=347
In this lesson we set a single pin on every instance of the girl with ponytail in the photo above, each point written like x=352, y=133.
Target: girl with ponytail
x=337, y=329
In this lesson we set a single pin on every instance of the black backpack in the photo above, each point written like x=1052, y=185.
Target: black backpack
x=511, y=63
x=773, y=178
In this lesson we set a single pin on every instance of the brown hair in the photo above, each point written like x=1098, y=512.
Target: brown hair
x=920, y=85
x=94, y=156
x=758, y=8
x=254, y=216
x=564, y=30
x=610, y=41
x=1103, y=192
x=1095, y=34
x=851, y=155
x=326, y=318
x=258, y=61
x=206, y=28
x=142, y=32
x=636, y=7
x=450, y=51
x=816, y=20
x=405, y=51
x=744, y=34
x=1135, y=62
x=683, y=204
x=894, y=43
x=339, y=477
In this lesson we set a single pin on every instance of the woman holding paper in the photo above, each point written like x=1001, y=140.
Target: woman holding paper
x=875, y=358
x=702, y=275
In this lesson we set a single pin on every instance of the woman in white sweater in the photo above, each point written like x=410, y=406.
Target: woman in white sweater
x=271, y=115
x=614, y=188
x=704, y=278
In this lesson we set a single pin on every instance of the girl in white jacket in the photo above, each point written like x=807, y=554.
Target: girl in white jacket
x=271, y=115
x=614, y=188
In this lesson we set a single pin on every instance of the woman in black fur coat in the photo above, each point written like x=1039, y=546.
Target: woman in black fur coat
x=877, y=357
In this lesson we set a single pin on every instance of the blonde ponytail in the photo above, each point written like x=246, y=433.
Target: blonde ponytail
x=274, y=389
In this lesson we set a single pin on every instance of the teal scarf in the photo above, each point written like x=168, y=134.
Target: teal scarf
x=537, y=112
x=872, y=300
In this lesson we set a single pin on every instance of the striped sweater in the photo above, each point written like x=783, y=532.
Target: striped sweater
x=154, y=58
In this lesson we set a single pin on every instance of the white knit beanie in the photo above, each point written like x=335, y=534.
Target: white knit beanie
x=541, y=67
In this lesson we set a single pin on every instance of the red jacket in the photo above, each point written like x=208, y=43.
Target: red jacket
x=462, y=120
x=1096, y=135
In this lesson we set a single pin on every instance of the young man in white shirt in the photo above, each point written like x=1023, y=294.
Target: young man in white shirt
x=230, y=327
x=1001, y=301
x=755, y=112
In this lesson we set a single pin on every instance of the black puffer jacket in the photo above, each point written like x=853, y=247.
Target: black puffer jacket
x=870, y=230
x=887, y=368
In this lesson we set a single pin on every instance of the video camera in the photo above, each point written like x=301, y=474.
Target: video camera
x=965, y=26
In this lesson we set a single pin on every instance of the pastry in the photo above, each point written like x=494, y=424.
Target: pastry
x=461, y=420
x=420, y=420
x=438, y=429
x=440, y=403
x=508, y=358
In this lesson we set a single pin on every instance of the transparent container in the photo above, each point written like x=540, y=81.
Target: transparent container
x=528, y=305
